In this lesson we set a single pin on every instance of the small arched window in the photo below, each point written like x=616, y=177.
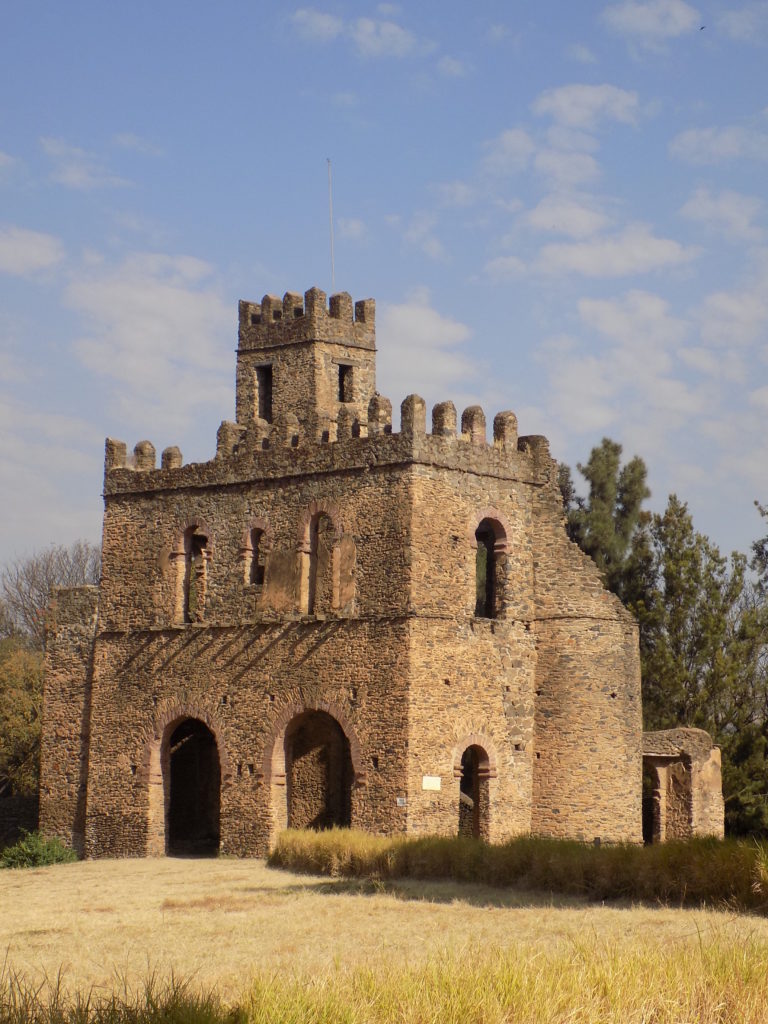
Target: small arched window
x=321, y=543
x=489, y=577
x=255, y=561
x=194, y=575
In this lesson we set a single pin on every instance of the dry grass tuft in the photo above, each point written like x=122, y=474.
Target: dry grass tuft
x=272, y=946
x=701, y=872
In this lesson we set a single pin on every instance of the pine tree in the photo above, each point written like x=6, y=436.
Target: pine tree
x=605, y=523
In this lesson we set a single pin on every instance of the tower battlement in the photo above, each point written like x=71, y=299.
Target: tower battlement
x=275, y=322
x=305, y=357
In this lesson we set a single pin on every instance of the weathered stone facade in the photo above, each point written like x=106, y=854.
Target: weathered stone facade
x=334, y=623
x=685, y=790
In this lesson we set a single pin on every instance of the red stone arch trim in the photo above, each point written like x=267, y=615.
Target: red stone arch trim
x=274, y=749
x=331, y=509
x=177, y=545
x=257, y=523
x=501, y=528
x=488, y=766
x=171, y=716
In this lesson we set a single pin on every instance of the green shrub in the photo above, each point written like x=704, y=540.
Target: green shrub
x=35, y=851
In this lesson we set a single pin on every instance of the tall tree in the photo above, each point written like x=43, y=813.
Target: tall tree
x=604, y=524
x=701, y=642
x=26, y=585
x=25, y=590
x=21, y=687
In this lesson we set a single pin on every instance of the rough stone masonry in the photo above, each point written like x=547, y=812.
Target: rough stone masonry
x=333, y=623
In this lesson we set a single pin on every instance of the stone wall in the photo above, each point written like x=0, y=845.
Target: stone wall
x=65, y=740
x=687, y=797
x=310, y=595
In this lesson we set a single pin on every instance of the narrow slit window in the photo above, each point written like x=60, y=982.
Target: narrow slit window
x=345, y=384
x=486, y=572
x=256, y=573
x=264, y=393
x=195, y=576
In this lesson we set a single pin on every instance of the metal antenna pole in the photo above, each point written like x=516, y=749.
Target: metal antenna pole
x=330, y=218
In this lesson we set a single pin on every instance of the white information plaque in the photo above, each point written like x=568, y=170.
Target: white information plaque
x=430, y=782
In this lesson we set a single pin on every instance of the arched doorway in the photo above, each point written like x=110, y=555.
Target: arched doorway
x=473, y=793
x=193, y=790
x=318, y=772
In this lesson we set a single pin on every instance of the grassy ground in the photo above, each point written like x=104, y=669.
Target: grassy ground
x=225, y=922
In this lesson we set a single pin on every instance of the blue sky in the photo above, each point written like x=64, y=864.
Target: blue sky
x=560, y=209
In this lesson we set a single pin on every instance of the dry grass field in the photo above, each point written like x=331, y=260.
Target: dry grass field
x=224, y=922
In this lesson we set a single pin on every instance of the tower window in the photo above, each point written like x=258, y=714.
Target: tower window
x=489, y=569
x=264, y=393
x=256, y=567
x=345, y=384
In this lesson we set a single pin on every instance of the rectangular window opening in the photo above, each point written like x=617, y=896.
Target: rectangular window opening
x=345, y=384
x=264, y=393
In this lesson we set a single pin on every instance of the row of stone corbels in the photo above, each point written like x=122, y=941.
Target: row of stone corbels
x=314, y=304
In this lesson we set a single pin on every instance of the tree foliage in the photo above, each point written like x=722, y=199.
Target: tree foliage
x=604, y=523
x=21, y=697
x=702, y=617
x=25, y=590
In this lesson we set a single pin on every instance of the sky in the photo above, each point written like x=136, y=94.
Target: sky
x=560, y=209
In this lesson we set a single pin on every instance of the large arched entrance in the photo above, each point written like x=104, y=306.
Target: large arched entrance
x=193, y=790
x=474, y=801
x=318, y=772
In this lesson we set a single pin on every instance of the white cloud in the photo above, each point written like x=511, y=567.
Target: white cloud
x=509, y=152
x=351, y=228
x=634, y=251
x=347, y=100
x=370, y=37
x=713, y=145
x=51, y=463
x=738, y=317
x=564, y=168
x=77, y=168
x=652, y=21
x=747, y=24
x=374, y=38
x=419, y=233
x=504, y=268
x=135, y=143
x=452, y=67
x=759, y=398
x=456, y=193
x=422, y=351
x=581, y=53
x=567, y=215
x=316, y=25
x=639, y=320
x=728, y=212
x=25, y=252
x=158, y=328
x=6, y=163
x=584, y=106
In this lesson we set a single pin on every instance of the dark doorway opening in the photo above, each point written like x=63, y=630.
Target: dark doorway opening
x=195, y=791
x=650, y=803
x=473, y=794
x=318, y=769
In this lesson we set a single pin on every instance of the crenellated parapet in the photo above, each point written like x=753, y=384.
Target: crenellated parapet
x=287, y=448
x=295, y=318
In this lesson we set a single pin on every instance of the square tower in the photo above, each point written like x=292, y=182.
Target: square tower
x=300, y=357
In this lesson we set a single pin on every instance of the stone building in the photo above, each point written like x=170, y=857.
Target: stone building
x=331, y=622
